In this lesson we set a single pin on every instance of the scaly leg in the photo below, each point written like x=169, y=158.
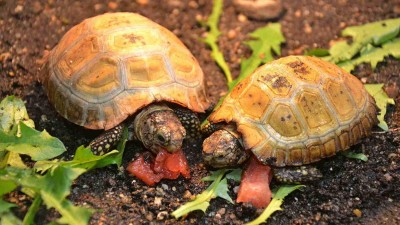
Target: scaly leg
x=103, y=143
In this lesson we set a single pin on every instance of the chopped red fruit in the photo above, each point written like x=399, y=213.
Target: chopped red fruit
x=166, y=165
x=254, y=187
x=142, y=170
x=172, y=164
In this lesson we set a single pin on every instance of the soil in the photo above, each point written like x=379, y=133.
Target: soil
x=351, y=192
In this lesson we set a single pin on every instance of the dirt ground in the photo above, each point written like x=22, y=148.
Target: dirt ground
x=29, y=28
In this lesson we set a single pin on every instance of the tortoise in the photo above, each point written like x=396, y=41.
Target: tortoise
x=289, y=113
x=122, y=69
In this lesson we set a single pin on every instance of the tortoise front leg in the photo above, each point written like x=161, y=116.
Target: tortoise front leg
x=189, y=121
x=103, y=143
x=296, y=174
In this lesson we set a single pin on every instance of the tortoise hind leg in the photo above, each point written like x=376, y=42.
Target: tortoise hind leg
x=296, y=174
x=189, y=121
x=103, y=143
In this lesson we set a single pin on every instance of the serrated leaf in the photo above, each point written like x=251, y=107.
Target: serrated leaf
x=235, y=175
x=38, y=145
x=275, y=204
x=382, y=100
x=202, y=200
x=212, y=38
x=375, y=33
x=6, y=186
x=12, y=112
x=53, y=188
x=265, y=42
x=373, y=55
x=222, y=191
x=84, y=158
x=353, y=155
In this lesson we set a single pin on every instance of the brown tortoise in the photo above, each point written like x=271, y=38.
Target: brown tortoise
x=291, y=112
x=113, y=66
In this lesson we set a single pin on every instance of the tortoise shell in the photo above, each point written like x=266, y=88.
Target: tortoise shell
x=108, y=67
x=297, y=110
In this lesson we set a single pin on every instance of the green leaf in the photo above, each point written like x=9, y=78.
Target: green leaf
x=202, y=201
x=235, y=175
x=275, y=204
x=382, y=100
x=11, y=159
x=222, y=190
x=375, y=33
x=5, y=206
x=9, y=219
x=265, y=41
x=212, y=38
x=373, y=55
x=353, y=155
x=53, y=188
x=12, y=112
x=30, y=215
x=38, y=145
x=6, y=186
x=319, y=52
x=84, y=159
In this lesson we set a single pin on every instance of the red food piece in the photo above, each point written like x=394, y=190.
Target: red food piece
x=166, y=165
x=171, y=164
x=254, y=187
x=143, y=170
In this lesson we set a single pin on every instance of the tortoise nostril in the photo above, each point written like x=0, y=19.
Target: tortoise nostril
x=161, y=137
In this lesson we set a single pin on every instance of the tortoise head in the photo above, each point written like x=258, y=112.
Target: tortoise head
x=160, y=129
x=223, y=149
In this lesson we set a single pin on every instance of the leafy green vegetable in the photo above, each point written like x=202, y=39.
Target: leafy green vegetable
x=276, y=203
x=53, y=188
x=265, y=41
x=375, y=33
x=218, y=188
x=353, y=155
x=38, y=145
x=212, y=38
x=373, y=55
x=12, y=111
x=382, y=100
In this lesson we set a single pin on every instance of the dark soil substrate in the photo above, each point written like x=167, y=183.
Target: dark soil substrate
x=29, y=28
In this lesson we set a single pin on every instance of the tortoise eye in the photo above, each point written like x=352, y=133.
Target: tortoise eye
x=160, y=137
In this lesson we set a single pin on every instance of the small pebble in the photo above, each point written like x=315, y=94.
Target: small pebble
x=187, y=195
x=162, y=215
x=164, y=186
x=232, y=34
x=18, y=9
x=36, y=7
x=142, y=2
x=149, y=216
x=98, y=7
x=307, y=28
x=357, y=212
x=221, y=211
x=157, y=201
x=388, y=177
x=193, y=5
x=112, y=5
x=242, y=18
